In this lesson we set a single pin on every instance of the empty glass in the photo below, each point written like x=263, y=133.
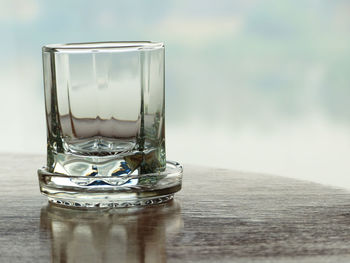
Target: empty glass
x=105, y=125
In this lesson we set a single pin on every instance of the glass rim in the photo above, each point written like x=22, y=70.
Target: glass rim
x=106, y=46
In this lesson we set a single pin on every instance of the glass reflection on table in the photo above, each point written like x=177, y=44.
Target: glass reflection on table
x=120, y=235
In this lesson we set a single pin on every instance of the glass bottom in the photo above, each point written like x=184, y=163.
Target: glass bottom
x=111, y=192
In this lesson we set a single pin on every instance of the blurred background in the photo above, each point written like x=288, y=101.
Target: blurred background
x=256, y=86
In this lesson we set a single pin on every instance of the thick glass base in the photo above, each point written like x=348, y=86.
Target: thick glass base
x=111, y=192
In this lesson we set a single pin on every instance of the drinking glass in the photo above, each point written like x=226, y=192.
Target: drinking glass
x=105, y=125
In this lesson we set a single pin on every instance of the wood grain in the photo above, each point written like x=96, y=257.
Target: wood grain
x=218, y=216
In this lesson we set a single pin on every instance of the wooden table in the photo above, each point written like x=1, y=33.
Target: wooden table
x=218, y=216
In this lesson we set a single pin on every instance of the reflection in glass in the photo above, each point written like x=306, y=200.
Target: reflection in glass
x=122, y=235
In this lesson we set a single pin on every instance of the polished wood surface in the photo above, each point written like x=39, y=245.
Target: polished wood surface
x=218, y=216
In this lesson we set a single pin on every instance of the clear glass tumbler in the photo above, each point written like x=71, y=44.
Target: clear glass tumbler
x=105, y=125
